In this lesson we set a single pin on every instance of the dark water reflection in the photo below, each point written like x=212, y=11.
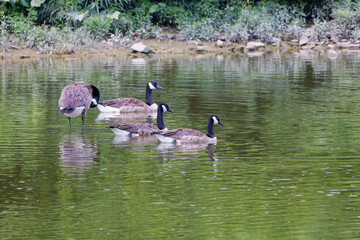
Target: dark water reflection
x=77, y=155
x=286, y=165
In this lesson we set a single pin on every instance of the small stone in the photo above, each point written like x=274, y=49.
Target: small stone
x=241, y=49
x=354, y=46
x=24, y=56
x=342, y=45
x=201, y=49
x=140, y=47
x=255, y=45
x=303, y=40
x=251, y=48
x=220, y=43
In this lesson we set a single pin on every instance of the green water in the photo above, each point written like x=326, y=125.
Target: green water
x=286, y=165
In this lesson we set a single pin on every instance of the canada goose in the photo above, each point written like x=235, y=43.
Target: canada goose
x=76, y=99
x=141, y=129
x=121, y=105
x=186, y=135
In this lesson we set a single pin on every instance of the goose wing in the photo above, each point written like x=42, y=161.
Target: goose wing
x=73, y=96
x=139, y=128
x=182, y=134
x=123, y=102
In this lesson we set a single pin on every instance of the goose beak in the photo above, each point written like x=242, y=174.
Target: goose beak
x=159, y=87
x=220, y=123
x=170, y=110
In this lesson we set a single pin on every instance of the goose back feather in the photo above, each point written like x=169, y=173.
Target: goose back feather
x=132, y=105
x=186, y=135
x=143, y=129
x=76, y=99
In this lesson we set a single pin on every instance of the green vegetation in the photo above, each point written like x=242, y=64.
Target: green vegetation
x=62, y=26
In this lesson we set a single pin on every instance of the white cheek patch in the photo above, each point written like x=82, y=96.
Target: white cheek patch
x=215, y=120
x=94, y=101
x=151, y=86
x=164, y=108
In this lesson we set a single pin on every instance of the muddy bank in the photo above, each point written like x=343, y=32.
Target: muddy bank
x=173, y=48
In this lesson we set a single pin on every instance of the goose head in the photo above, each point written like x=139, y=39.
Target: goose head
x=165, y=107
x=96, y=96
x=216, y=120
x=154, y=85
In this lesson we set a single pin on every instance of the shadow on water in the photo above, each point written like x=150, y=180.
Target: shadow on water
x=78, y=155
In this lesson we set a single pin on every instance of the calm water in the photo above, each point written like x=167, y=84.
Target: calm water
x=286, y=165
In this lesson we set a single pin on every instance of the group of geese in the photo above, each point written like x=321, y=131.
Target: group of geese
x=76, y=99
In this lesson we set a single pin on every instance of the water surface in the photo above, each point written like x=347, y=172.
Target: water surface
x=286, y=165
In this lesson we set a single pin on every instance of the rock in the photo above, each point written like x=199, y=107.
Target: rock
x=140, y=47
x=197, y=43
x=255, y=45
x=220, y=43
x=251, y=48
x=293, y=42
x=201, y=49
x=14, y=47
x=24, y=56
x=303, y=40
x=331, y=46
x=343, y=45
x=241, y=49
x=354, y=46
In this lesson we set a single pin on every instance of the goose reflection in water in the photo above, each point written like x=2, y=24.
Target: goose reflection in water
x=188, y=149
x=77, y=155
x=121, y=141
x=125, y=118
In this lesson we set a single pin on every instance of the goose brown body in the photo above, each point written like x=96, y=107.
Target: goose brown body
x=187, y=135
x=76, y=99
x=143, y=129
x=123, y=105
x=131, y=105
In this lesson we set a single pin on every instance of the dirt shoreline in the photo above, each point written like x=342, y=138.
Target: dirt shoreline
x=162, y=49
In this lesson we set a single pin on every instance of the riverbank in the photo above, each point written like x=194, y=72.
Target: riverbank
x=175, y=48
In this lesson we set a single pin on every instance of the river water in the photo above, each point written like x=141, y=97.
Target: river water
x=286, y=164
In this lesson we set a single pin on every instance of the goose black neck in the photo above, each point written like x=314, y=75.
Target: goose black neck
x=210, y=128
x=148, y=96
x=160, y=121
x=96, y=95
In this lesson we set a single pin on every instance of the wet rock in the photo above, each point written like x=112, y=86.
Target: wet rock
x=241, y=49
x=256, y=45
x=343, y=45
x=293, y=42
x=276, y=42
x=251, y=48
x=303, y=40
x=14, y=47
x=197, y=43
x=354, y=46
x=201, y=49
x=140, y=47
x=220, y=43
